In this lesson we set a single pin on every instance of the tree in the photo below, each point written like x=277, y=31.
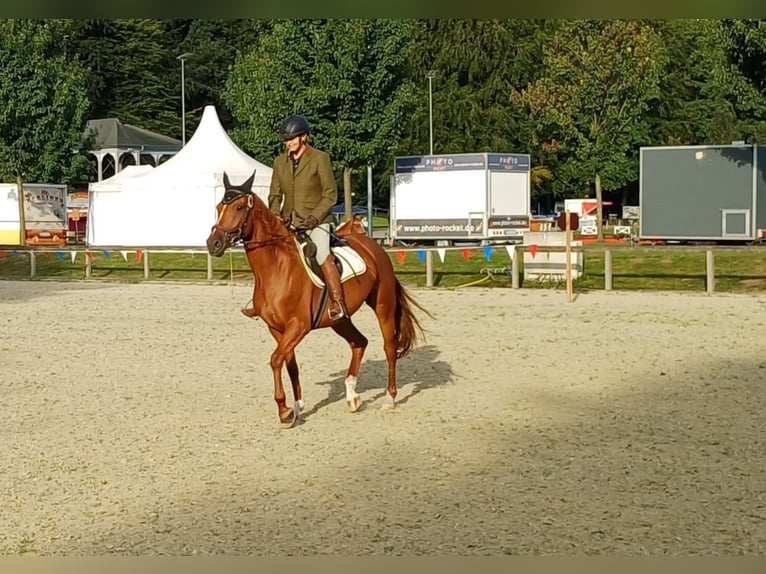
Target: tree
x=697, y=87
x=589, y=107
x=350, y=78
x=746, y=47
x=133, y=71
x=44, y=105
x=215, y=45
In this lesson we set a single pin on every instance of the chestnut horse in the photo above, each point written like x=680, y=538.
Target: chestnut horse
x=291, y=304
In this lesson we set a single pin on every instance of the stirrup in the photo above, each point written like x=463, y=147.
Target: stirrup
x=338, y=314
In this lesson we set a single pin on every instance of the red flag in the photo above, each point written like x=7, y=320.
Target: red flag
x=88, y=254
x=533, y=250
x=400, y=255
x=4, y=253
x=466, y=253
x=139, y=255
x=46, y=253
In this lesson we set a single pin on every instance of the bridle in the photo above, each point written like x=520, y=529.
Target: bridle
x=236, y=234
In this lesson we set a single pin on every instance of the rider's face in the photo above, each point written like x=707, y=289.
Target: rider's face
x=294, y=145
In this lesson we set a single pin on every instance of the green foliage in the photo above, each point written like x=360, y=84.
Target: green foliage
x=348, y=77
x=215, y=45
x=44, y=103
x=133, y=73
x=697, y=87
x=589, y=109
x=746, y=47
x=580, y=97
x=476, y=64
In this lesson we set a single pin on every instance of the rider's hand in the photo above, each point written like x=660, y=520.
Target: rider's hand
x=310, y=222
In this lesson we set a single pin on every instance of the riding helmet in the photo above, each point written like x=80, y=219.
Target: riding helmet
x=292, y=126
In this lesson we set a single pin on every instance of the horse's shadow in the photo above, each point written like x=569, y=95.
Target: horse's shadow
x=420, y=366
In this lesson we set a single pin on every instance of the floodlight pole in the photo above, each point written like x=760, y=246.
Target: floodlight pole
x=430, y=75
x=183, y=57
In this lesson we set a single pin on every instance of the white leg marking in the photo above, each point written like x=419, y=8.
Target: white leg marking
x=353, y=400
x=351, y=388
x=388, y=402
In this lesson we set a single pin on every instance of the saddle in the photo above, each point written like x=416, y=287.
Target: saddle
x=349, y=262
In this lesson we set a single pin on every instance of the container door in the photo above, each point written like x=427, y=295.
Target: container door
x=736, y=223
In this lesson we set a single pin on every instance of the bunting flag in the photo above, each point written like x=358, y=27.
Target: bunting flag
x=511, y=249
x=46, y=253
x=441, y=253
x=88, y=254
x=421, y=255
x=60, y=255
x=139, y=254
x=400, y=255
x=124, y=255
x=533, y=250
x=74, y=256
x=4, y=253
x=466, y=253
x=106, y=253
x=488, y=252
x=15, y=251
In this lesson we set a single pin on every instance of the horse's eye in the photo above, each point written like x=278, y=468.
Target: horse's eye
x=240, y=207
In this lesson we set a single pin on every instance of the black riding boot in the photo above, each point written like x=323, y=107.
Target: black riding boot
x=337, y=309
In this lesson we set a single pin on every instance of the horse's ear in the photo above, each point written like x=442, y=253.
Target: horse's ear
x=226, y=184
x=249, y=182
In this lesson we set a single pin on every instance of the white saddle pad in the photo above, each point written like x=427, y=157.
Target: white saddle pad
x=351, y=261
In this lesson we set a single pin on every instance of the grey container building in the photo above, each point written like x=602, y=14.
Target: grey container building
x=699, y=193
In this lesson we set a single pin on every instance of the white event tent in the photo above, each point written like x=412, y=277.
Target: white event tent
x=172, y=205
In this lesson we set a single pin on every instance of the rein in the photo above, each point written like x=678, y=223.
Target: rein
x=236, y=235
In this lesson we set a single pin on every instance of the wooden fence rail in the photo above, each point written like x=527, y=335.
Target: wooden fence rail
x=515, y=252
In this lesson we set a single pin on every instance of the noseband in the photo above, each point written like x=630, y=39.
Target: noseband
x=229, y=197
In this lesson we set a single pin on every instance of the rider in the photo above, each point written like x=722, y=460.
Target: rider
x=303, y=191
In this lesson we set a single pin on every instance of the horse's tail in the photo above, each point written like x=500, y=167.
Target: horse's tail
x=407, y=325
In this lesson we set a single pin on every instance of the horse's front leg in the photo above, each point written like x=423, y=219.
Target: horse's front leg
x=285, y=353
x=292, y=371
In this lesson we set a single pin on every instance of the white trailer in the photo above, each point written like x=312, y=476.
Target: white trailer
x=477, y=196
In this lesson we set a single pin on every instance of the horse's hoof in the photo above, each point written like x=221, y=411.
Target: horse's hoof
x=388, y=403
x=353, y=404
x=289, y=421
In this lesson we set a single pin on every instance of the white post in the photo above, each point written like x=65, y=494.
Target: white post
x=369, y=201
x=515, y=267
x=568, y=250
x=607, y=270
x=183, y=105
x=183, y=58
x=430, y=75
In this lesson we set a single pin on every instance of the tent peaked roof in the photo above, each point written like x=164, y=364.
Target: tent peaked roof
x=112, y=133
x=210, y=150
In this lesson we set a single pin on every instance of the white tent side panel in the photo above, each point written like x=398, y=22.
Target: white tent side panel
x=174, y=204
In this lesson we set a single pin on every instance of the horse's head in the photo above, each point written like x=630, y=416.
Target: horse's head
x=243, y=216
x=232, y=216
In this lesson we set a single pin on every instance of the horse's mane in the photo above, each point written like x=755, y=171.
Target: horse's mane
x=271, y=225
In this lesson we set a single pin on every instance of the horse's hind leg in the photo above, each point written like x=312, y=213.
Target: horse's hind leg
x=358, y=343
x=384, y=304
